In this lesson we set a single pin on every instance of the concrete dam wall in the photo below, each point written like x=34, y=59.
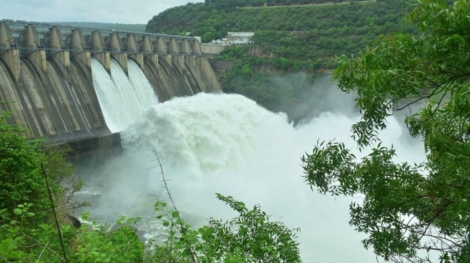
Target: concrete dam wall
x=47, y=76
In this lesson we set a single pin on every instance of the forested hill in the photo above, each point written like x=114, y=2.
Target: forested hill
x=291, y=36
x=231, y=15
x=310, y=33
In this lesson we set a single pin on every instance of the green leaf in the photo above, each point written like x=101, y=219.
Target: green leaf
x=175, y=214
x=30, y=214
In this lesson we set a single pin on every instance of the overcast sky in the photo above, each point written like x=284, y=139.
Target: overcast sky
x=109, y=11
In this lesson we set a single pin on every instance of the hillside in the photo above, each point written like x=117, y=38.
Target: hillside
x=299, y=37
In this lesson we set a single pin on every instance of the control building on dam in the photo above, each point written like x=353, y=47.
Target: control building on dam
x=46, y=76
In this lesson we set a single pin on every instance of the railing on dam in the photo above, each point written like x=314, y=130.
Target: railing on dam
x=47, y=70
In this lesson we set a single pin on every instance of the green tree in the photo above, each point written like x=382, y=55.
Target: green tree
x=249, y=237
x=207, y=37
x=23, y=163
x=406, y=207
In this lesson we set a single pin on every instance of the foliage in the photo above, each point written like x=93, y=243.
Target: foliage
x=24, y=242
x=99, y=245
x=250, y=237
x=408, y=207
x=21, y=177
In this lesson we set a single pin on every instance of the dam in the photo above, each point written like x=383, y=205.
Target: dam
x=60, y=81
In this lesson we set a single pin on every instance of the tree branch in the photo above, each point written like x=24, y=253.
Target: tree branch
x=39, y=242
x=182, y=228
x=439, y=87
x=59, y=232
x=40, y=255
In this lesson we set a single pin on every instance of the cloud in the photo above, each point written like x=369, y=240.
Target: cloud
x=108, y=11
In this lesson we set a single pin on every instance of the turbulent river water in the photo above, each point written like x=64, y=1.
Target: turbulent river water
x=228, y=144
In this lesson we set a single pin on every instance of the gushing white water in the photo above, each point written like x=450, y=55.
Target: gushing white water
x=227, y=144
x=122, y=99
x=145, y=93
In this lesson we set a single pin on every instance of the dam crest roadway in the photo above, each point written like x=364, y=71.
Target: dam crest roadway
x=46, y=75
